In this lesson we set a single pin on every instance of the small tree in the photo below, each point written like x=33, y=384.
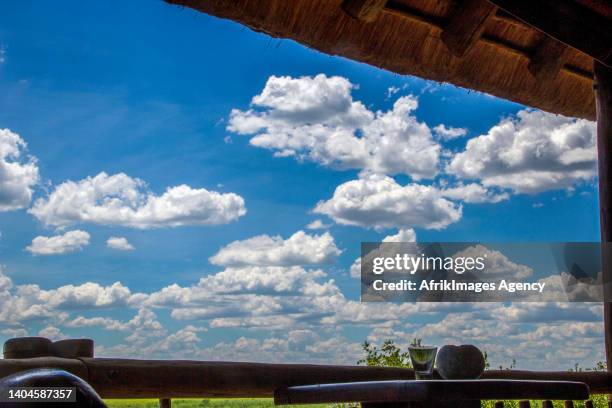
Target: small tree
x=389, y=355
x=512, y=365
x=600, y=366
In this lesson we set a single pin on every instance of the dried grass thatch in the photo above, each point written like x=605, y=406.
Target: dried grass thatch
x=405, y=38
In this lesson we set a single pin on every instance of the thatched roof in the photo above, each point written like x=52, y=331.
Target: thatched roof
x=501, y=55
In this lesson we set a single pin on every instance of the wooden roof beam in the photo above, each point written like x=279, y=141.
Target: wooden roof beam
x=548, y=58
x=467, y=25
x=399, y=9
x=568, y=22
x=364, y=10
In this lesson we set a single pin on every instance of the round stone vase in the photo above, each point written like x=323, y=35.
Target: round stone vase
x=460, y=362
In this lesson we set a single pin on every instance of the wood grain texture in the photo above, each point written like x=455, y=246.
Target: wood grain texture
x=364, y=10
x=73, y=348
x=115, y=378
x=467, y=25
x=12, y=366
x=432, y=391
x=28, y=347
x=125, y=378
x=567, y=21
x=548, y=59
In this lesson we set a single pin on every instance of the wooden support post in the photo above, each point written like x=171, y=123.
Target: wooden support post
x=165, y=403
x=466, y=25
x=547, y=404
x=568, y=404
x=499, y=404
x=363, y=10
x=28, y=347
x=603, y=100
x=548, y=58
x=588, y=404
x=524, y=404
x=73, y=348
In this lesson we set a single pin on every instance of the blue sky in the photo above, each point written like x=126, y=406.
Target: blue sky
x=146, y=90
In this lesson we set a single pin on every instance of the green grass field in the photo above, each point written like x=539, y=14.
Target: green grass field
x=599, y=402
x=199, y=403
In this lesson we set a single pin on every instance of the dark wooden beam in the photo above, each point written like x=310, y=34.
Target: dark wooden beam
x=603, y=101
x=396, y=8
x=126, y=378
x=363, y=10
x=10, y=366
x=428, y=391
x=467, y=25
x=567, y=21
x=119, y=378
x=548, y=58
x=599, y=382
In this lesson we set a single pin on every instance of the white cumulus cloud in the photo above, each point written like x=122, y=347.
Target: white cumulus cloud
x=496, y=263
x=18, y=172
x=70, y=241
x=264, y=250
x=119, y=243
x=53, y=333
x=473, y=193
x=258, y=279
x=376, y=201
x=316, y=118
x=317, y=225
x=449, y=133
x=403, y=235
x=86, y=295
x=125, y=201
x=144, y=321
x=532, y=152
x=294, y=314
x=22, y=303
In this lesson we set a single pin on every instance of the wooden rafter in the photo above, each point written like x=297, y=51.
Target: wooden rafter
x=467, y=25
x=402, y=10
x=364, y=10
x=548, y=58
x=568, y=22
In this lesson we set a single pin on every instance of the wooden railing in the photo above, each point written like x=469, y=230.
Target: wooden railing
x=167, y=379
x=129, y=378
